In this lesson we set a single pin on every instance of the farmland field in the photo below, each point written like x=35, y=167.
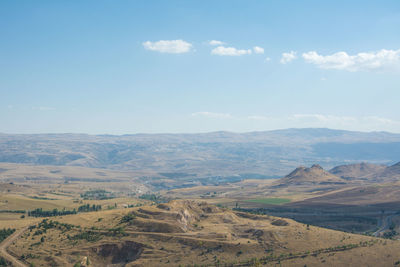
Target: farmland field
x=271, y=201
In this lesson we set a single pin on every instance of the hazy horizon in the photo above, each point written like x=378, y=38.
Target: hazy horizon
x=205, y=132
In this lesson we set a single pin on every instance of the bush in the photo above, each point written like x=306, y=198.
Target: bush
x=48, y=213
x=3, y=262
x=88, y=208
x=97, y=195
x=89, y=236
x=4, y=233
x=128, y=218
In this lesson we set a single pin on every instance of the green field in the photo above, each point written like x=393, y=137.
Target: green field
x=271, y=201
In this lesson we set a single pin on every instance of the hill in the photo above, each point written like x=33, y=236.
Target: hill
x=206, y=157
x=368, y=172
x=315, y=175
x=358, y=170
x=43, y=176
x=389, y=173
x=189, y=233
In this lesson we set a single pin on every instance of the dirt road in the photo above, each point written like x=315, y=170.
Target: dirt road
x=3, y=248
x=385, y=224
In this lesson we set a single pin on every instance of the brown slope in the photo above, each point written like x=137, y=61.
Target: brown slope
x=3, y=248
x=389, y=174
x=314, y=175
x=205, y=235
x=357, y=170
x=371, y=195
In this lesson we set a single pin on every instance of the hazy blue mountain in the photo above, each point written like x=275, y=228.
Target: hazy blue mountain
x=257, y=154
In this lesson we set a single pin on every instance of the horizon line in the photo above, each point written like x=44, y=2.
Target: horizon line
x=193, y=133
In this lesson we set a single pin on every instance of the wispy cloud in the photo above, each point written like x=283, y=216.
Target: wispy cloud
x=212, y=115
x=230, y=51
x=168, y=46
x=215, y=42
x=288, y=57
x=366, y=61
x=258, y=50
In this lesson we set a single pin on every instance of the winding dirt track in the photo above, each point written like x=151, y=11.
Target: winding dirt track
x=386, y=222
x=6, y=242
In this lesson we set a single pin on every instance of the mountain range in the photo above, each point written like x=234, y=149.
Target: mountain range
x=244, y=155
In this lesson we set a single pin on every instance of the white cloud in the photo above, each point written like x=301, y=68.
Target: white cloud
x=267, y=59
x=383, y=59
x=215, y=42
x=229, y=51
x=212, y=115
x=168, y=46
x=287, y=57
x=258, y=50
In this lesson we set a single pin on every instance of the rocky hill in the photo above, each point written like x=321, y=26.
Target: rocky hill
x=368, y=172
x=391, y=172
x=358, y=170
x=313, y=175
x=189, y=233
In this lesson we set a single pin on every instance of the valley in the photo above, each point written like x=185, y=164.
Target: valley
x=68, y=215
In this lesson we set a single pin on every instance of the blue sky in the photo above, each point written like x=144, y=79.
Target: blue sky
x=191, y=66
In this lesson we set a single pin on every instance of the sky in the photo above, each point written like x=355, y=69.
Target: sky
x=125, y=67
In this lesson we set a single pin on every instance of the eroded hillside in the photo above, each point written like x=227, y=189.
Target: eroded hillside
x=182, y=233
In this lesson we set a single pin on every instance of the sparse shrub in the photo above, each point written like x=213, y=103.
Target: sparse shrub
x=88, y=208
x=48, y=213
x=38, y=232
x=3, y=262
x=279, y=222
x=117, y=231
x=128, y=218
x=97, y=195
x=4, y=233
x=390, y=234
x=89, y=236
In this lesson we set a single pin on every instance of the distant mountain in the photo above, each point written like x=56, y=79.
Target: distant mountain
x=358, y=170
x=216, y=154
x=314, y=175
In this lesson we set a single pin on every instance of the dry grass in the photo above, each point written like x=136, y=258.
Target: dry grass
x=187, y=233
